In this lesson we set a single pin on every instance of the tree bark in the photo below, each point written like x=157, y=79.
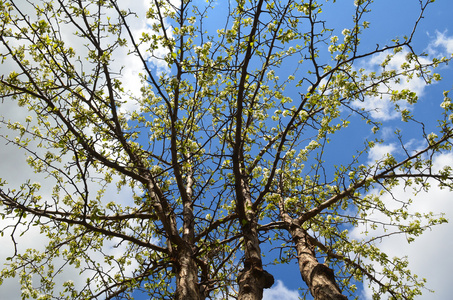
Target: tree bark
x=252, y=279
x=319, y=278
x=186, y=277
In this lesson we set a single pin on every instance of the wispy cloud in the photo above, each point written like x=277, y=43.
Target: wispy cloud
x=441, y=45
x=381, y=107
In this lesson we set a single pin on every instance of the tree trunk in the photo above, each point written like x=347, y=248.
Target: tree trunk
x=252, y=279
x=186, y=277
x=319, y=278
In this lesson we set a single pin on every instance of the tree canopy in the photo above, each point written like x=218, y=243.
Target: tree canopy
x=220, y=124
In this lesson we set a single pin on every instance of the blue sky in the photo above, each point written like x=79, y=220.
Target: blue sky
x=391, y=19
x=430, y=254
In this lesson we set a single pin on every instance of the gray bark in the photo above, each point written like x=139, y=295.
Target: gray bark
x=187, y=277
x=252, y=279
x=319, y=278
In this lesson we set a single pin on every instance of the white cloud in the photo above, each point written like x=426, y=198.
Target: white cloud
x=430, y=254
x=442, y=45
x=381, y=107
x=280, y=292
x=378, y=152
x=16, y=171
x=32, y=239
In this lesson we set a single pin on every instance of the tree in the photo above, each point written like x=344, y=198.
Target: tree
x=222, y=150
